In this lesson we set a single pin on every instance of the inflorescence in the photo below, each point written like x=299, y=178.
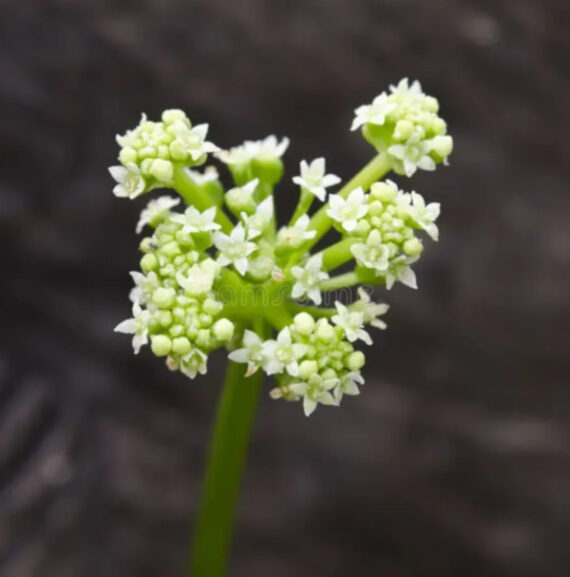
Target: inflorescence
x=209, y=279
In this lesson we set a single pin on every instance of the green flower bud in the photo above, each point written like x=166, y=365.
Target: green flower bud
x=164, y=318
x=260, y=268
x=383, y=191
x=149, y=262
x=442, y=146
x=174, y=114
x=241, y=200
x=304, y=323
x=162, y=170
x=128, y=155
x=307, y=368
x=176, y=331
x=355, y=361
x=163, y=297
x=160, y=345
x=223, y=329
x=403, y=130
x=329, y=374
x=212, y=307
x=178, y=150
x=203, y=339
x=413, y=247
x=325, y=332
x=181, y=346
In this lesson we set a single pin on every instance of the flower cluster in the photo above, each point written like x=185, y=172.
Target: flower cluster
x=151, y=151
x=383, y=225
x=216, y=272
x=406, y=126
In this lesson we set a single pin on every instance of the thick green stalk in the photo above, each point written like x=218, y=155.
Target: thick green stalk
x=232, y=430
x=374, y=170
x=339, y=253
x=340, y=281
x=194, y=196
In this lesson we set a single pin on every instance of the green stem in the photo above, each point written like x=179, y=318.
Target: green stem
x=303, y=206
x=374, y=170
x=339, y=253
x=340, y=281
x=193, y=195
x=232, y=430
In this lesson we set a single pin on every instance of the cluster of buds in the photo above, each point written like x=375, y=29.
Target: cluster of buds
x=220, y=274
x=405, y=125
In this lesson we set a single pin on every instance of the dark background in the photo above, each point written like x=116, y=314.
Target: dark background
x=455, y=460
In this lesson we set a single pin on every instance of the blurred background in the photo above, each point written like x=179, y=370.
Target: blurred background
x=454, y=460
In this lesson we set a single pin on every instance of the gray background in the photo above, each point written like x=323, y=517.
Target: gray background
x=455, y=460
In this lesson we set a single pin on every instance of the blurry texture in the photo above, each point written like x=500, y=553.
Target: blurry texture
x=455, y=459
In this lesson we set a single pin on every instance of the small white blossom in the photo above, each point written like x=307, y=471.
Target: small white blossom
x=309, y=278
x=424, y=216
x=351, y=321
x=241, y=154
x=136, y=326
x=282, y=354
x=200, y=277
x=130, y=181
x=250, y=353
x=412, y=154
x=145, y=285
x=156, y=210
x=314, y=179
x=256, y=223
x=374, y=113
x=194, y=141
x=370, y=309
x=193, y=220
x=196, y=361
x=348, y=385
x=373, y=254
x=210, y=174
x=401, y=271
x=129, y=139
x=269, y=147
x=316, y=390
x=349, y=211
x=296, y=235
x=403, y=91
x=234, y=248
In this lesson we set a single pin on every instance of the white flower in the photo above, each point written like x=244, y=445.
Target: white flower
x=200, y=277
x=282, y=354
x=314, y=179
x=137, y=326
x=423, y=216
x=315, y=390
x=210, y=174
x=256, y=223
x=195, y=221
x=351, y=322
x=156, y=210
x=412, y=154
x=131, y=182
x=370, y=309
x=234, y=248
x=250, y=353
x=296, y=235
x=144, y=286
x=196, y=361
x=349, y=211
x=405, y=92
x=373, y=254
x=308, y=279
x=129, y=139
x=269, y=147
x=401, y=271
x=348, y=385
x=241, y=154
x=194, y=141
x=374, y=113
